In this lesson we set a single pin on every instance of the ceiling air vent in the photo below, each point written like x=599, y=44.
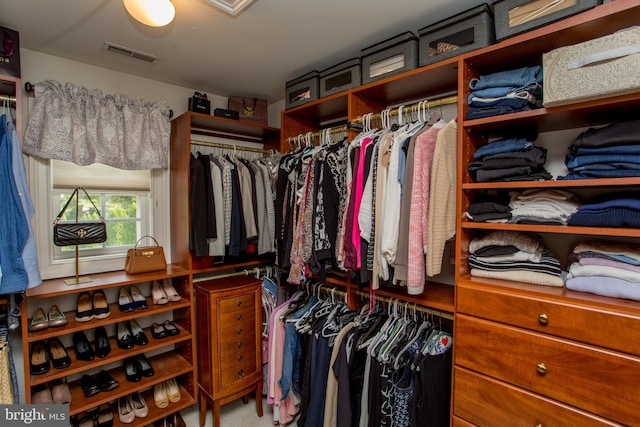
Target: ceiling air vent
x=125, y=51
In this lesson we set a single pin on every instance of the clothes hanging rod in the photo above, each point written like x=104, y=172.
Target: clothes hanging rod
x=11, y=99
x=230, y=147
x=418, y=307
x=254, y=271
x=336, y=129
x=447, y=100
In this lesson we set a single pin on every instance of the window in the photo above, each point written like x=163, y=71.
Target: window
x=126, y=214
x=133, y=204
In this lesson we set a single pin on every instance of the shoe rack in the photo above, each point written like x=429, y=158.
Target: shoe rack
x=171, y=355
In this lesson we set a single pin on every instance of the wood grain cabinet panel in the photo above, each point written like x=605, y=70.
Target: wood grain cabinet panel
x=483, y=401
x=595, y=380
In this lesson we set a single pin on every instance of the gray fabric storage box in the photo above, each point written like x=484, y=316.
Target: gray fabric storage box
x=303, y=89
x=461, y=33
x=513, y=17
x=343, y=76
x=392, y=56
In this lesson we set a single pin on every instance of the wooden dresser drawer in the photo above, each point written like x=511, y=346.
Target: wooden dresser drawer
x=236, y=303
x=230, y=319
x=596, y=380
x=617, y=330
x=243, y=343
x=237, y=373
x=483, y=401
x=238, y=330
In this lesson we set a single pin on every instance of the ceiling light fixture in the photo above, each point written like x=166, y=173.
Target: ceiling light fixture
x=155, y=13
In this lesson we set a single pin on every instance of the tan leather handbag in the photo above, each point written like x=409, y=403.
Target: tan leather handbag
x=142, y=259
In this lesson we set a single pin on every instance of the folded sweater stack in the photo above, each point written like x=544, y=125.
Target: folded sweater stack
x=609, y=269
x=514, y=256
x=509, y=159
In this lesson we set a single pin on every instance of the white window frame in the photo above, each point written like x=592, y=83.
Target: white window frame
x=40, y=186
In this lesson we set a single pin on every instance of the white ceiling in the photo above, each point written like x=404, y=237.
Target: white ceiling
x=204, y=48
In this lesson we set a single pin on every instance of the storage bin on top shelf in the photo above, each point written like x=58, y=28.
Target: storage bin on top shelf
x=513, y=17
x=342, y=76
x=458, y=34
x=302, y=90
x=390, y=57
x=595, y=69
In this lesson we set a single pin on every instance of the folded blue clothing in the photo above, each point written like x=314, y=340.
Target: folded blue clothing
x=504, y=145
x=496, y=110
x=507, y=102
x=572, y=161
x=515, y=78
x=622, y=133
x=611, y=149
x=595, y=174
x=623, y=212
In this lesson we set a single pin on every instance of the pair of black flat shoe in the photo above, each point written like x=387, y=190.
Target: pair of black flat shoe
x=102, y=382
x=130, y=334
x=44, y=354
x=137, y=367
x=163, y=330
x=84, y=351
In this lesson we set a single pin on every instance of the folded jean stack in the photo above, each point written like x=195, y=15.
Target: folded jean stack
x=514, y=256
x=509, y=159
x=505, y=92
x=610, y=269
x=609, y=210
x=612, y=151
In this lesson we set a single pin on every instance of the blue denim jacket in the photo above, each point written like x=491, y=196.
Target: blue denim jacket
x=13, y=224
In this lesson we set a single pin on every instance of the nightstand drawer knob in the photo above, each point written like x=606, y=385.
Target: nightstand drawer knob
x=239, y=303
x=538, y=425
x=241, y=373
x=239, y=331
x=239, y=345
x=543, y=318
x=541, y=368
x=239, y=317
x=240, y=358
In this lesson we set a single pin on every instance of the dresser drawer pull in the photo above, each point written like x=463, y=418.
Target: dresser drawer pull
x=239, y=345
x=543, y=318
x=240, y=358
x=541, y=368
x=239, y=303
x=239, y=331
x=538, y=425
x=239, y=317
x=241, y=373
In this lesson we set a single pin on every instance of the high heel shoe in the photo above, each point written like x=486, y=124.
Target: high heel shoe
x=59, y=357
x=82, y=346
x=132, y=370
x=160, y=395
x=146, y=370
x=157, y=294
x=170, y=291
x=39, y=321
x=172, y=389
x=126, y=413
x=101, y=342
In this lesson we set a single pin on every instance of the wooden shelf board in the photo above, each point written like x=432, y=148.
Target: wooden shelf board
x=166, y=365
x=110, y=279
x=234, y=127
x=329, y=108
x=116, y=354
x=560, y=229
x=436, y=295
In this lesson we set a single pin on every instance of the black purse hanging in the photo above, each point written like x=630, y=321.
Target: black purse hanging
x=79, y=232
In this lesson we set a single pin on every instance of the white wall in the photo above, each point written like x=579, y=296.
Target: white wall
x=37, y=67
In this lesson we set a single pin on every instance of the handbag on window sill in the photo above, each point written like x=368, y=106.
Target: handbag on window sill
x=143, y=259
x=79, y=232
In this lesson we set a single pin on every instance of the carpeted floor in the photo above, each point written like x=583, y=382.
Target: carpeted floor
x=234, y=414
